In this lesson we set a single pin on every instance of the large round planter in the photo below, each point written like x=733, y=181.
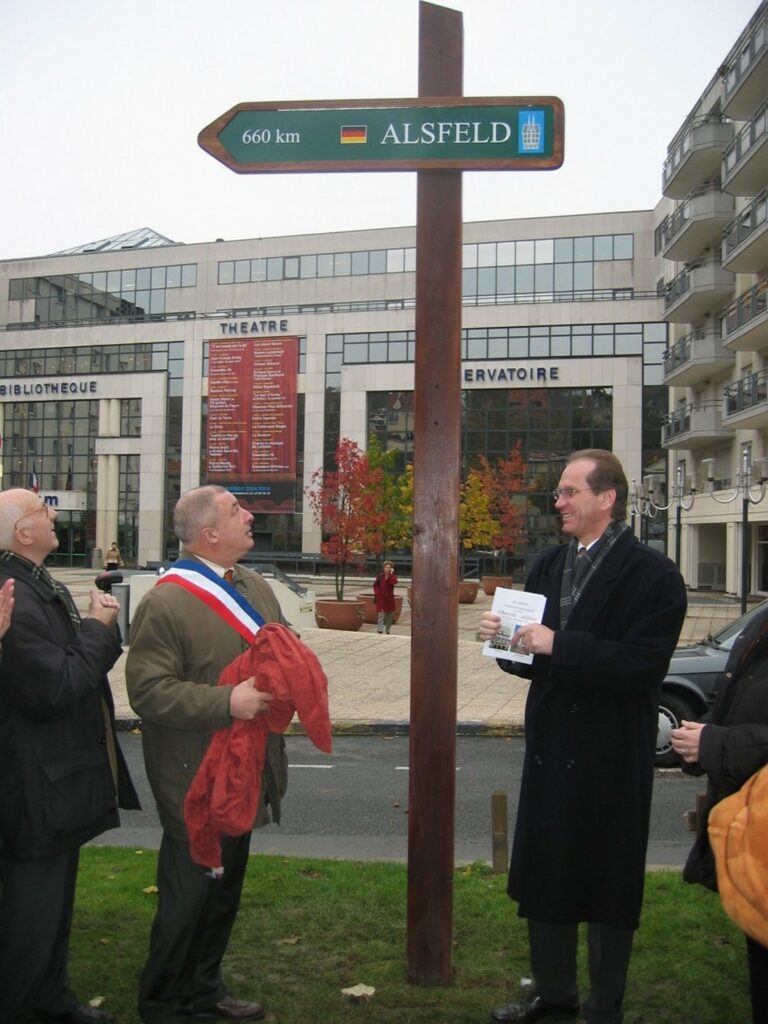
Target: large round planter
x=491, y=582
x=371, y=616
x=333, y=614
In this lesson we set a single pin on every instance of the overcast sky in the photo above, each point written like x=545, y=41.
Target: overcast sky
x=101, y=102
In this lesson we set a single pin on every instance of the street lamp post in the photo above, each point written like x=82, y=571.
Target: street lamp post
x=646, y=501
x=748, y=475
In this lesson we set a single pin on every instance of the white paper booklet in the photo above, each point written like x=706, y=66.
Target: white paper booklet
x=516, y=608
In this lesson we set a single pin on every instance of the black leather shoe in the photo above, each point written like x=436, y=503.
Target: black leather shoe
x=533, y=1009
x=234, y=1009
x=81, y=1015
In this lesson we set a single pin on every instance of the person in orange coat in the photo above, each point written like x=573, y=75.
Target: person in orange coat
x=729, y=745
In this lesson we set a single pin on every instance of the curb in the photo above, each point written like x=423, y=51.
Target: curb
x=376, y=728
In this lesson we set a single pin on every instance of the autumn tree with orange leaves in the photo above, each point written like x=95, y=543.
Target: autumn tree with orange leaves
x=477, y=525
x=345, y=505
x=505, y=484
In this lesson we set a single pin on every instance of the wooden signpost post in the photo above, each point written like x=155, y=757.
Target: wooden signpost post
x=438, y=135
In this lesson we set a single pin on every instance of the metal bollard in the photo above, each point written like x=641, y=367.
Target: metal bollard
x=499, y=833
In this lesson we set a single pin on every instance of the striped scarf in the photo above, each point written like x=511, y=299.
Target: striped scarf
x=41, y=574
x=570, y=589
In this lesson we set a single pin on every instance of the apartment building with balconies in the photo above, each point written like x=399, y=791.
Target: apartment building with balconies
x=712, y=242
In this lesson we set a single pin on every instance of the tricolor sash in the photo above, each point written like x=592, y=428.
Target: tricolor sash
x=220, y=596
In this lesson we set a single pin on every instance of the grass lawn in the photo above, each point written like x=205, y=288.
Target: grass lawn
x=309, y=928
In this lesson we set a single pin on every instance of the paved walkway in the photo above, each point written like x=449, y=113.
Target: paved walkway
x=369, y=674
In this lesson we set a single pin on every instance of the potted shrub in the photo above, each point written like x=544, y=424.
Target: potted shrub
x=343, y=502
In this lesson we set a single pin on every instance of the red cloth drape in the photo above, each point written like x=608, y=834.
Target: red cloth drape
x=224, y=795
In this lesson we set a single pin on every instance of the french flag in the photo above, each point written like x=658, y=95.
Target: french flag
x=34, y=484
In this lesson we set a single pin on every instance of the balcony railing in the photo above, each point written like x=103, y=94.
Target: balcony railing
x=752, y=217
x=699, y=143
x=751, y=51
x=744, y=163
x=746, y=393
x=695, y=357
x=738, y=233
x=746, y=308
x=680, y=353
x=700, y=287
x=693, y=425
x=702, y=214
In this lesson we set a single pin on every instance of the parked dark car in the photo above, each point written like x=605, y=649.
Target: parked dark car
x=691, y=684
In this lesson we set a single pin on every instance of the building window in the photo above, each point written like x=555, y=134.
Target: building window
x=549, y=424
x=100, y=295
x=130, y=417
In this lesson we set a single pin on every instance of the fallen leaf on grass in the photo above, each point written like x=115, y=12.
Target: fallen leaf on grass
x=151, y=888
x=358, y=993
x=289, y=940
x=96, y=1002
x=103, y=942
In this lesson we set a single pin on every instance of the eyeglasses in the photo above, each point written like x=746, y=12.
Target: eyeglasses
x=41, y=508
x=567, y=492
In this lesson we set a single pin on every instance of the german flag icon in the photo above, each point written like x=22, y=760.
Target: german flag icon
x=353, y=133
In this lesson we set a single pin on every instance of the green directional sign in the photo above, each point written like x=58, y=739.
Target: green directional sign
x=520, y=133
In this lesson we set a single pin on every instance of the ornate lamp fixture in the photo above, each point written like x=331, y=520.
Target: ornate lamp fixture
x=648, y=500
x=750, y=475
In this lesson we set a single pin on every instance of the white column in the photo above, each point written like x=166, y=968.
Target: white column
x=733, y=558
x=108, y=476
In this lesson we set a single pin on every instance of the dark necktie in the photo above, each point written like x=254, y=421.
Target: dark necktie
x=580, y=567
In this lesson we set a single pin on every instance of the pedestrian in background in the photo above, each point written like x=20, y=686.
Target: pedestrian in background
x=113, y=559
x=730, y=744
x=614, y=610
x=384, y=596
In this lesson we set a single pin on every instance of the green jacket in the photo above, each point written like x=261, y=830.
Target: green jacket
x=178, y=648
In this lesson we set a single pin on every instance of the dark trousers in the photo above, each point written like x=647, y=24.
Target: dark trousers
x=757, y=961
x=194, y=919
x=553, y=963
x=36, y=906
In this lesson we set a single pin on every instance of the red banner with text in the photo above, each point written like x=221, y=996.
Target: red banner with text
x=251, y=443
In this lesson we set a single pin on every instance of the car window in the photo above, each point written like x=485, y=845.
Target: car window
x=725, y=638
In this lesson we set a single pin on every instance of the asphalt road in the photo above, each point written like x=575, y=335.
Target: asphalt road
x=353, y=804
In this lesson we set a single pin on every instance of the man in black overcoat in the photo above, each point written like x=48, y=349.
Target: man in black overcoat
x=614, y=610
x=62, y=774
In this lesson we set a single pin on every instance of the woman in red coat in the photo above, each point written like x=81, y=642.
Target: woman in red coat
x=384, y=595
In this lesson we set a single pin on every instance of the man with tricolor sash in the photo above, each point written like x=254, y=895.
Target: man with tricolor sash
x=202, y=613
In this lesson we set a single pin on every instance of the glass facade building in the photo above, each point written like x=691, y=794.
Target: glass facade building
x=104, y=355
